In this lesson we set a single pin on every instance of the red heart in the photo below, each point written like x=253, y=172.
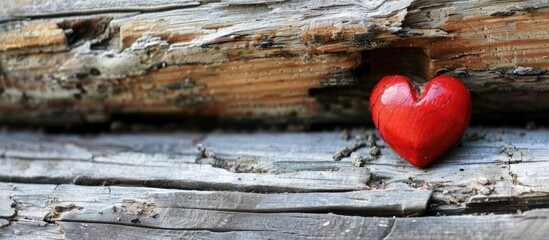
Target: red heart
x=420, y=125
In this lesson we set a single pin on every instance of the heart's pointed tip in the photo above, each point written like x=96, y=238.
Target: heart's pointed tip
x=419, y=163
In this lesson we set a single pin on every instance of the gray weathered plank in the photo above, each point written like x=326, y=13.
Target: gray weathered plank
x=282, y=224
x=179, y=213
x=158, y=162
x=37, y=202
x=530, y=225
x=111, y=231
x=6, y=208
x=456, y=176
x=24, y=229
x=183, y=176
x=43, y=150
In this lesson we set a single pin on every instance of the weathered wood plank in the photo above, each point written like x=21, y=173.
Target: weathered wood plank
x=184, y=176
x=454, y=178
x=530, y=225
x=467, y=178
x=245, y=60
x=49, y=8
x=289, y=224
x=29, y=229
x=214, y=225
x=211, y=224
x=98, y=212
x=43, y=150
x=55, y=202
x=6, y=207
x=160, y=209
x=111, y=231
x=63, y=162
x=34, y=36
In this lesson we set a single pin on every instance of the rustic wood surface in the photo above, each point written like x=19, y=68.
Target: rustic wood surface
x=511, y=162
x=277, y=185
x=531, y=225
x=273, y=60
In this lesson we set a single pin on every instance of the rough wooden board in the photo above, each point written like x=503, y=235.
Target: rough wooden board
x=6, y=207
x=200, y=213
x=454, y=178
x=62, y=162
x=29, y=229
x=111, y=231
x=298, y=224
x=69, y=202
x=530, y=225
x=39, y=35
x=183, y=176
x=48, y=8
x=378, y=203
x=241, y=59
x=43, y=150
x=276, y=161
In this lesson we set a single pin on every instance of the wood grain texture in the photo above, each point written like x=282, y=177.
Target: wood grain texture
x=87, y=61
x=34, y=37
x=534, y=224
x=6, y=209
x=53, y=8
x=48, y=163
x=302, y=192
x=185, y=176
x=83, y=203
x=503, y=166
x=454, y=177
x=29, y=229
x=80, y=212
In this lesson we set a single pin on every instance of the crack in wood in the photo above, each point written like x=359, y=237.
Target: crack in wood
x=391, y=228
x=80, y=31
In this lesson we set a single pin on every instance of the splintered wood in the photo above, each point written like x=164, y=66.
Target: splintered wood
x=309, y=61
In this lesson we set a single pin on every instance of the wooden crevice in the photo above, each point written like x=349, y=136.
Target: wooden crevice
x=95, y=31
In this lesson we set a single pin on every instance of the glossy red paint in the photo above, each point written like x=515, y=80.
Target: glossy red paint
x=420, y=125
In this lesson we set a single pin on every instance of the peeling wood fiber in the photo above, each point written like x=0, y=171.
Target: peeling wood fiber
x=84, y=61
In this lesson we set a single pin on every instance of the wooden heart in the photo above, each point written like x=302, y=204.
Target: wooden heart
x=420, y=122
